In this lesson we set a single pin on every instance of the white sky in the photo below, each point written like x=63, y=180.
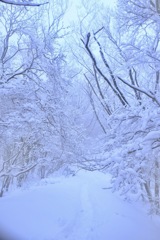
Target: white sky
x=74, y=6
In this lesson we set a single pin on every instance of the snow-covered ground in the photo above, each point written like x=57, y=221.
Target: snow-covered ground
x=80, y=207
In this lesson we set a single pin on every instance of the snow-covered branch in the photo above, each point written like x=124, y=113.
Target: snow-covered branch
x=140, y=90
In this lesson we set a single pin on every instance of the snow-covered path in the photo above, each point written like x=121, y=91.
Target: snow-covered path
x=74, y=208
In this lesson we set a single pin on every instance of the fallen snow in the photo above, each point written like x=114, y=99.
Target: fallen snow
x=80, y=207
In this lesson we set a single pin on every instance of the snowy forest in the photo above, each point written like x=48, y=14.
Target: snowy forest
x=81, y=94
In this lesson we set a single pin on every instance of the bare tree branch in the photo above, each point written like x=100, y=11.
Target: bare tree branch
x=140, y=90
x=111, y=73
x=86, y=44
x=26, y=4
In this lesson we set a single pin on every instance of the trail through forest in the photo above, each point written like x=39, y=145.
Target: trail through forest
x=80, y=207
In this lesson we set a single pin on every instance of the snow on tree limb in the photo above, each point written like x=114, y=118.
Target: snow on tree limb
x=22, y=3
x=150, y=95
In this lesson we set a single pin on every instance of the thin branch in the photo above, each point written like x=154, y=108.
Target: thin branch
x=123, y=99
x=140, y=90
x=26, y=4
x=106, y=107
x=99, y=70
